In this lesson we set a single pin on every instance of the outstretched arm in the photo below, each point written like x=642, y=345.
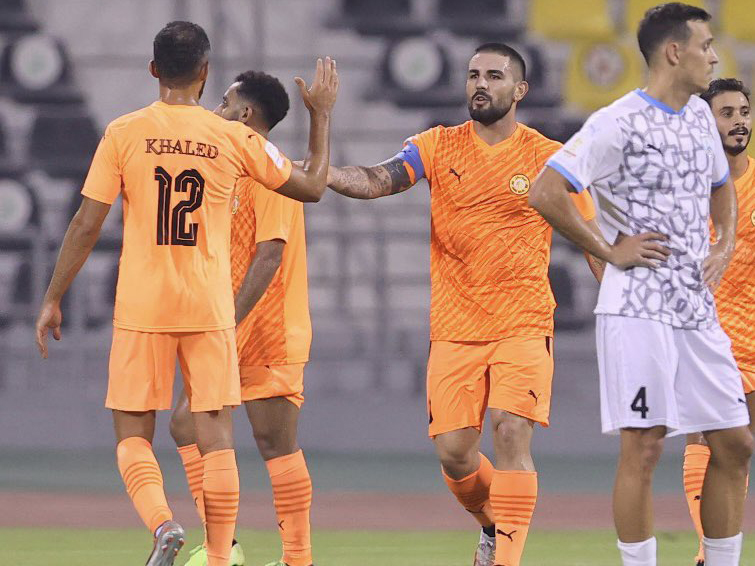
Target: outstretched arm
x=386, y=178
x=266, y=261
x=308, y=181
x=82, y=234
x=549, y=195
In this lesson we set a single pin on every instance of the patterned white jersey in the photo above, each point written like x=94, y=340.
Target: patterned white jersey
x=651, y=169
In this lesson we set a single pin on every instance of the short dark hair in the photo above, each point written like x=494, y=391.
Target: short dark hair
x=667, y=21
x=506, y=50
x=179, y=50
x=267, y=92
x=717, y=86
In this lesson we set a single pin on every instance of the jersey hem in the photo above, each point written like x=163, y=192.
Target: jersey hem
x=276, y=363
x=702, y=325
x=492, y=338
x=170, y=329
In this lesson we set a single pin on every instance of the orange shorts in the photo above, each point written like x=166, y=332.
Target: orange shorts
x=142, y=366
x=265, y=382
x=465, y=378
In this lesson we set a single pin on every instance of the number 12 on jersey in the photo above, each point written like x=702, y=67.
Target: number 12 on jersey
x=172, y=226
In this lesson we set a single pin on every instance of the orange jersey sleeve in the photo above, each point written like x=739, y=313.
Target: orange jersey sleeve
x=104, y=182
x=263, y=161
x=418, y=154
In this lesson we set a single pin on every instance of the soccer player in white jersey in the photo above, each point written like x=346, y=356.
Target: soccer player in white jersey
x=657, y=171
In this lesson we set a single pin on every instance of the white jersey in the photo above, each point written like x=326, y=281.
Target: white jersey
x=651, y=169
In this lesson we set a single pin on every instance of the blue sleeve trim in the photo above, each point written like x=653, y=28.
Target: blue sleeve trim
x=569, y=177
x=410, y=154
x=722, y=181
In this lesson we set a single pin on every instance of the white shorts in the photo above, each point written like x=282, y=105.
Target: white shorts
x=652, y=374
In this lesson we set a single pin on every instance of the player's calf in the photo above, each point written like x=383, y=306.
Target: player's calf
x=181, y=423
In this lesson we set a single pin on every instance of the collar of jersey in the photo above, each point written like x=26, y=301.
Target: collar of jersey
x=658, y=103
x=503, y=144
x=162, y=104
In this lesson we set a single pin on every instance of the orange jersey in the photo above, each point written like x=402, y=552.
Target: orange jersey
x=176, y=167
x=489, y=249
x=278, y=329
x=735, y=297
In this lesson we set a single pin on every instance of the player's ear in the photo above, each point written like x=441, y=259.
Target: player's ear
x=520, y=90
x=672, y=51
x=204, y=70
x=246, y=114
x=153, y=70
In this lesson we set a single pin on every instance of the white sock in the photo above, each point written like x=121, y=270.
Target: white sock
x=638, y=553
x=722, y=551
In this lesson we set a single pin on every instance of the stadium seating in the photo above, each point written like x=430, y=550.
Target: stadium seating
x=563, y=21
x=35, y=69
x=634, y=11
x=598, y=73
x=14, y=18
x=735, y=17
x=416, y=72
x=479, y=18
x=385, y=18
x=63, y=142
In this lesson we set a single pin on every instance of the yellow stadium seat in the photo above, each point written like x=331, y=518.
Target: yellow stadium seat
x=561, y=20
x=736, y=19
x=598, y=73
x=635, y=11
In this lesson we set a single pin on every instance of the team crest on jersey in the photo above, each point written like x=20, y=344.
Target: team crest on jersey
x=752, y=217
x=236, y=203
x=519, y=184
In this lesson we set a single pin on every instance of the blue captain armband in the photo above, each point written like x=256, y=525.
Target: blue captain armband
x=410, y=156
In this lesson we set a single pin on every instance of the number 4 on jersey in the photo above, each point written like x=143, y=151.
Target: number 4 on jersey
x=640, y=403
x=172, y=228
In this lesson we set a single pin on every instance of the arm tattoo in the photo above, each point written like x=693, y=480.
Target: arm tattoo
x=386, y=178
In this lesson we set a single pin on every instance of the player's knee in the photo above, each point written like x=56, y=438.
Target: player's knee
x=736, y=447
x=512, y=435
x=643, y=455
x=272, y=443
x=457, y=459
x=181, y=428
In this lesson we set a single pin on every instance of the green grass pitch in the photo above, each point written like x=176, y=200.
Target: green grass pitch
x=66, y=547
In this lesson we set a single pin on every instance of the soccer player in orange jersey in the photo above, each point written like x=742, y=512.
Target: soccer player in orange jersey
x=273, y=333
x=729, y=100
x=491, y=318
x=176, y=165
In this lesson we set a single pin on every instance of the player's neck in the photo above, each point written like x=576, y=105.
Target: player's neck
x=186, y=96
x=664, y=89
x=737, y=164
x=498, y=131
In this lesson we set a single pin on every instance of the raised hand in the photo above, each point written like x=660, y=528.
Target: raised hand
x=641, y=250
x=50, y=317
x=320, y=96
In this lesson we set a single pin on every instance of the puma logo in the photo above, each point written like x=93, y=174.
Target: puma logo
x=458, y=175
x=280, y=524
x=741, y=400
x=651, y=146
x=510, y=535
x=697, y=498
x=535, y=397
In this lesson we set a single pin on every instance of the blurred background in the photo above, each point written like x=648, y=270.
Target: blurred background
x=68, y=68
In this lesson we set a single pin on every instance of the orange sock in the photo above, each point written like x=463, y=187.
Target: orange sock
x=292, y=495
x=220, y=491
x=513, y=495
x=696, y=457
x=473, y=491
x=144, y=481
x=192, y=461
